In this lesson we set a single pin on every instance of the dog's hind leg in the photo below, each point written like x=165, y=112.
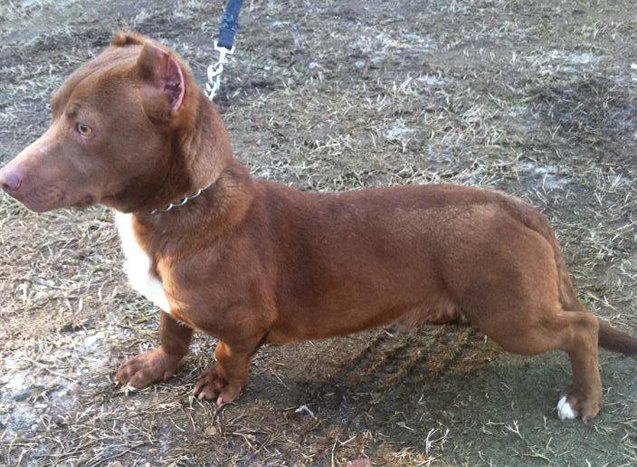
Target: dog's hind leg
x=159, y=364
x=575, y=332
x=581, y=343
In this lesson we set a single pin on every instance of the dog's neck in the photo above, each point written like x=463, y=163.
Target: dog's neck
x=198, y=152
x=205, y=145
x=201, y=160
x=218, y=210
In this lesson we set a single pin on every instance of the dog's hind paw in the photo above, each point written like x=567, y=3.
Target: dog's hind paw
x=565, y=411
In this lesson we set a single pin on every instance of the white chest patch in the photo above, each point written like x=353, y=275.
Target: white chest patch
x=138, y=264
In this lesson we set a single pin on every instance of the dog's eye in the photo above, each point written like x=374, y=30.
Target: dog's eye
x=83, y=129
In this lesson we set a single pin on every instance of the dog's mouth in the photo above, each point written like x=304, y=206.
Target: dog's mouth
x=49, y=198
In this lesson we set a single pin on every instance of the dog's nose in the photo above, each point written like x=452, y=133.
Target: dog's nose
x=10, y=179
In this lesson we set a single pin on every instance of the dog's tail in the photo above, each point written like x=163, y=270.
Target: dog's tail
x=609, y=337
x=615, y=340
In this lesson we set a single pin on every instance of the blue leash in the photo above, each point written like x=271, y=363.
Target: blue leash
x=224, y=45
x=229, y=24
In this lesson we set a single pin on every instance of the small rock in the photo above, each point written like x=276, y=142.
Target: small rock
x=211, y=430
x=304, y=409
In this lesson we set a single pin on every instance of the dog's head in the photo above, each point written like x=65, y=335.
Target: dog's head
x=112, y=128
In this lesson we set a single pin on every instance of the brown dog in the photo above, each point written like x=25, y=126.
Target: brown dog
x=252, y=262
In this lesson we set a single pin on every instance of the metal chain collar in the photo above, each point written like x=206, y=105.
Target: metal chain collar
x=185, y=200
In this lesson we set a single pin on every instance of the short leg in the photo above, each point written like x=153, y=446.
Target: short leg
x=572, y=331
x=585, y=396
x=159, y=364
x=230, y=374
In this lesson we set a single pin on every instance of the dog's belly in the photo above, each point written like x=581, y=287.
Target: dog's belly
x=137, y=264
x=436, y=310
x=318, y=323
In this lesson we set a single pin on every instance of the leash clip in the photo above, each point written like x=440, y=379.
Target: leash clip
x=216, y=69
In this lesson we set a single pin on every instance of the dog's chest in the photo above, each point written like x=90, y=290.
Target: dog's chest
x=138, y=264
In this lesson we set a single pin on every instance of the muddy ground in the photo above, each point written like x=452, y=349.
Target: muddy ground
x=536, y=98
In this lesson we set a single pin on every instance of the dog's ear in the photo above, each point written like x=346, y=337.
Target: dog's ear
x=163, y=83
x=122, y=39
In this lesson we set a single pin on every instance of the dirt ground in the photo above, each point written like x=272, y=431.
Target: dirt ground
x=536, y=98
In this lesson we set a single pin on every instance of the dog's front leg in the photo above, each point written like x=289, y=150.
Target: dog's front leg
x=159, y=364
x=225, y=380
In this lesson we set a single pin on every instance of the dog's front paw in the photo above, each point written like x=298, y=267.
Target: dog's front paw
x=211, y=385
x=146, y=368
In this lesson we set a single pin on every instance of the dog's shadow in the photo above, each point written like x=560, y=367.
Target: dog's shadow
x=418, y=388
x=430, y=375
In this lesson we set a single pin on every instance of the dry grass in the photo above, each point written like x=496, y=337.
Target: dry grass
x=536, y=98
